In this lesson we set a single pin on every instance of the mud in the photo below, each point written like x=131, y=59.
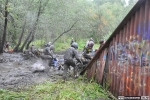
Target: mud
x=16, y=72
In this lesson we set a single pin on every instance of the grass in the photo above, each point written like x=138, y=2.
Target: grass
x=78, y=89
x=61, y=46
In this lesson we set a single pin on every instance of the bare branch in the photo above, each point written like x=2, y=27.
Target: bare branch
x=64, y=32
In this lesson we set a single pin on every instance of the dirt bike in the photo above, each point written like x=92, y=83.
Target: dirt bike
x=55, y=63
x=85, y=59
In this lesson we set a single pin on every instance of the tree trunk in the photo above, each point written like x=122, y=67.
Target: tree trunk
x=32, y=38
x=36, y=22
x=20, y=38
x=13, y=36
x=34, y=28
x=32, y=32
x=5, y=27
x=26, y=40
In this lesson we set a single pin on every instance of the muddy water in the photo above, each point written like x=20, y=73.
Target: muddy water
x=17, y=72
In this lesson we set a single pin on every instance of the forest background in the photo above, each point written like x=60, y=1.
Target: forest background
x=26, y=22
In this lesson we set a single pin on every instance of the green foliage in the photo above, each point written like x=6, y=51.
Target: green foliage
x=38, y=43
x=81, y=43
x=79, y=89
x=106, y=36
x=61, y=46
x=95, y=19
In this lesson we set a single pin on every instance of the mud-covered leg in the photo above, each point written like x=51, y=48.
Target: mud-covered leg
x=75, y=71
x=65, y=71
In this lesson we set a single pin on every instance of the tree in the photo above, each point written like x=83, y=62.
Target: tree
x=31, y=20
x=5, y=26
x=21, y=36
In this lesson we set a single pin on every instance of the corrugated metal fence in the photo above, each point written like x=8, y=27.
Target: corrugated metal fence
x=122, y=65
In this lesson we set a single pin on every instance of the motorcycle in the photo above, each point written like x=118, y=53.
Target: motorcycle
x=85, y=59
x=55, y=63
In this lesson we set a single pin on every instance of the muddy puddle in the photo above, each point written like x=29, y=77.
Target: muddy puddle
x=16, y=72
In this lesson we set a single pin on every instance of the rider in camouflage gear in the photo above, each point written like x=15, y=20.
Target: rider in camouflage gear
x=69, y=55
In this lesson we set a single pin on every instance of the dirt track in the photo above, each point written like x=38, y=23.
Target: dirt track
x=16, y=72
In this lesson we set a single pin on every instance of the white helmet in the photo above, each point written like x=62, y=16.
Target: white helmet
x=49, y=43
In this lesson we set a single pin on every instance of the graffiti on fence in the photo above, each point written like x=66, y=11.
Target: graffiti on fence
x=130, y=60
x=143, y=30
x=132, y=52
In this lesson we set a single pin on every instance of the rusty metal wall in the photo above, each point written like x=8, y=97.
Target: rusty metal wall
x=122, y=65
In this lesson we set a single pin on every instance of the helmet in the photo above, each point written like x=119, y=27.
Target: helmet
x=90, y=44
x=102, y=41
x=91, y=39
x=75, y=45
x=52, y=47
x=47, y=45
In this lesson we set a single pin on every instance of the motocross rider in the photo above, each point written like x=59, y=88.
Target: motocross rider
x=69, y=55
